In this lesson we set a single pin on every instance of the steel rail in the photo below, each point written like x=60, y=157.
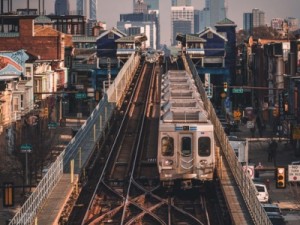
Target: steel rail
x=137, y=149
x=106, y=165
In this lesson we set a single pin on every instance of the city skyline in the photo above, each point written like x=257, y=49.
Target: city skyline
x=235, y=11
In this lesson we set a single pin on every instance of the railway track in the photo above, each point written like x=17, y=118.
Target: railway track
x=123, y=183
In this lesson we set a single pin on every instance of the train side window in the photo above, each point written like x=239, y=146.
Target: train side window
x=186, y=146
x=167, y=146
x=204, y=146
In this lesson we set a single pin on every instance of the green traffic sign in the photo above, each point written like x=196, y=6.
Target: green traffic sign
x=52, y=125
x=237, y=90
x=26, y=148
x=80, y=95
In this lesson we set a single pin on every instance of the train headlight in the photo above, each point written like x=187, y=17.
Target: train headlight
x=203, y=163
x=168, y=162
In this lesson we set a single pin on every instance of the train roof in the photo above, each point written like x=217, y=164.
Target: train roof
x=180, y=99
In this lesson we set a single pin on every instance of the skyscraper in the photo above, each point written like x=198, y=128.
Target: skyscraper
x=93, y=10
x=62, y=7
x=182, y=21
x=247, y=22
x=258, y=18
x=87, y=8
x=140, y=7
x=181, y=2
x=153, y=4
x=254, y=19
x=213, y=12
x=136, y=23
x=144, y=19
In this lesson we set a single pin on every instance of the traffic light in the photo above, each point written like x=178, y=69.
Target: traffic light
x=276, y=111
x=280, y=177
x=225, y=86
x=8, y=195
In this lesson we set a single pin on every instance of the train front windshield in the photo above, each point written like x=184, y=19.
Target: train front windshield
x=204, y=146
x=186, y=146
x=167, y=146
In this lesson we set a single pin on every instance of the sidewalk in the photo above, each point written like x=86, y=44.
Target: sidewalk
x=288, y=198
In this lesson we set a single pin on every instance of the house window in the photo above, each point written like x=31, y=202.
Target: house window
x=224, y=34
x=111, y=36
x=22, y=101
x=15, y=104
x=210, y=35
x=28, y=71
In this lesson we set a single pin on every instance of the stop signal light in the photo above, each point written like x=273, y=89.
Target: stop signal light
x=225, y=86
x=280, y=177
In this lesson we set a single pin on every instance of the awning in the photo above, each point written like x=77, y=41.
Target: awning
x=8, y=77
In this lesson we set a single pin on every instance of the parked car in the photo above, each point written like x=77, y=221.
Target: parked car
x=277, y=219
x=262, y=192
x=272, y=209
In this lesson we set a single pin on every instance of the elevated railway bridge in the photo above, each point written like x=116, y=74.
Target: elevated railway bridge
x=102, y=176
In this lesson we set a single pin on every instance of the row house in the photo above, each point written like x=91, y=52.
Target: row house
x=213, y=52
x=16, y=89
x=42, y=70
x=271, y=71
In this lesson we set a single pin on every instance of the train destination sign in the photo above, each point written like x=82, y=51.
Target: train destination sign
x=294, y=173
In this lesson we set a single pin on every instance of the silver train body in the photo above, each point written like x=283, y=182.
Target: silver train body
x=186, y=152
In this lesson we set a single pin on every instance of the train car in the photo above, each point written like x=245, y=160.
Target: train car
x=186, y=153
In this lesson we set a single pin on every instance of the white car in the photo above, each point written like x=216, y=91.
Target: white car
x=296, y=163
x=262, y=192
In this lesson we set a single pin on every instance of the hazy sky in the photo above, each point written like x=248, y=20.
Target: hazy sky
x=109, y=10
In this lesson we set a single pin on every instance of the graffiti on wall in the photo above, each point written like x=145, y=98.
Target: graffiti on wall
x=12, y=63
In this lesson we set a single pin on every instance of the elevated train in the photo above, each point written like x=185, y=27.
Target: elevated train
x=186, y=152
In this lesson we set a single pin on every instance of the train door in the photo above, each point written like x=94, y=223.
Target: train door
x=186, y=160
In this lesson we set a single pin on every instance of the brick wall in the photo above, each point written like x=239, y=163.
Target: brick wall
x=48, y=44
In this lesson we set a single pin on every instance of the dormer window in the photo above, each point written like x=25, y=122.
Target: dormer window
x=111, y=35
x=210, y=35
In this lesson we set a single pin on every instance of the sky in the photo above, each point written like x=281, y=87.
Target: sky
x=109, y=10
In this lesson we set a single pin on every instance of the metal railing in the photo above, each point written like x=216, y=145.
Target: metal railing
x=242, y=179
x=101, y=115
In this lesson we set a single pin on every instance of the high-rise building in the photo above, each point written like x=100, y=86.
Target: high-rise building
x=213, y=12
x=196, y=21
x=277, y=24
x=87, y=8
x=258, y=18
x=136, y=23
x=182, y=21
x=144, y=19
x=252, y=20
x=93, y=9
x=181, y=3
x=153, y=4
x=247, y=22
x=293, y=23
x=140, y=7
x=62, y=7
